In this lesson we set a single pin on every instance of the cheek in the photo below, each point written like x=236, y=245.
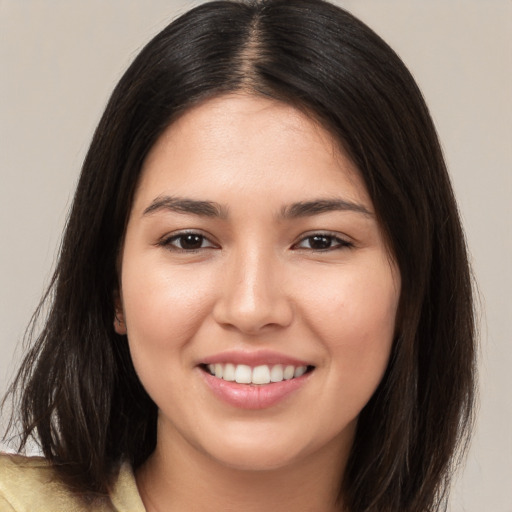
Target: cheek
x=163, y=310
x=156, y=298
x=354, y=315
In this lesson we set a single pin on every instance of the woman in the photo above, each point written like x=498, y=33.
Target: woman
x=263, y=296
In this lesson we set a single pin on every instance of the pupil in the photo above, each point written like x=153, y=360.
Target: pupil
x=320, y=242
x=191, y=241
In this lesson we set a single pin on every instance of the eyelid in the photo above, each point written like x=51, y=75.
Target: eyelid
x=167, y=239
x=343, y=241
x=340, y=241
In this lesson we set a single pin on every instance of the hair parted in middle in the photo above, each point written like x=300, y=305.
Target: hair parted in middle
x=82, y=398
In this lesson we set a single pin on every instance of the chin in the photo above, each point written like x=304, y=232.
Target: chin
x=271, y=450
x=256, y=459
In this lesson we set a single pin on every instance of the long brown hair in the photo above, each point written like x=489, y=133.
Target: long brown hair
x=79, y=394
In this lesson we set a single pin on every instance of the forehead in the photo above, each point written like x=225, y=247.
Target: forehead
x=249, y=145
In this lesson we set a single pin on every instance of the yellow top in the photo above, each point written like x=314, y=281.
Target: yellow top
x=29, y=484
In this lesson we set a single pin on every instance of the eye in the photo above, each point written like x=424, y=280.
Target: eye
x=322, y=242
x=187, y=242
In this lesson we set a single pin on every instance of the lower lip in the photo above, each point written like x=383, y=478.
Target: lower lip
x=253, y=396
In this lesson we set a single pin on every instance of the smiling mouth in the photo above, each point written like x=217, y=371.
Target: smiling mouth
x=259, y=375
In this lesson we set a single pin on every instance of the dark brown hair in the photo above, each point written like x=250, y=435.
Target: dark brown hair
x=79, y=395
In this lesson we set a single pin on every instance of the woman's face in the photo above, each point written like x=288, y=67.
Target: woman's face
x=253, y=255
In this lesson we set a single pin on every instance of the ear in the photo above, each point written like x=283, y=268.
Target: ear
x=119, y=323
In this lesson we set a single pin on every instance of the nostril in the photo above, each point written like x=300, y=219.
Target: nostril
x=253, y=317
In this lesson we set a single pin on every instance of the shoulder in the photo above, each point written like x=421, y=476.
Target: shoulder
x=30, y=484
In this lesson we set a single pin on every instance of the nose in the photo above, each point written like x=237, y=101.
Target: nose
x=253, y=295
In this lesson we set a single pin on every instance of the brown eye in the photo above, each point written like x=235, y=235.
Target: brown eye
x=187, y=242
x=190, y=241
x=322, y=242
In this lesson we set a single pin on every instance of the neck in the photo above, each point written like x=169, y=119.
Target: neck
x=179, y=478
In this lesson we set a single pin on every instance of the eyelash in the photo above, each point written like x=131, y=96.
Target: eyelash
x=168, y=242
x=334, y=242
x=339, y=243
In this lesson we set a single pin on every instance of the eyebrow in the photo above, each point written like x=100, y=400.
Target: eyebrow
x=185, y=205
x=318, y=206
x=292, y=211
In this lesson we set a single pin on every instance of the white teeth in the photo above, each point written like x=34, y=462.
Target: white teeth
x=289, y=372
x=229, y=372
x=276, y=374
x=243, y=374
x=301, y=370
x=263, y=374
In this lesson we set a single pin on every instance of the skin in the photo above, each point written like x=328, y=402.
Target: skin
x=256, y=281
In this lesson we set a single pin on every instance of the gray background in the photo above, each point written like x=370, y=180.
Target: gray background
x=59, y=60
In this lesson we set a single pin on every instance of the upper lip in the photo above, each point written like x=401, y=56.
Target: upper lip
x=253, y=358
